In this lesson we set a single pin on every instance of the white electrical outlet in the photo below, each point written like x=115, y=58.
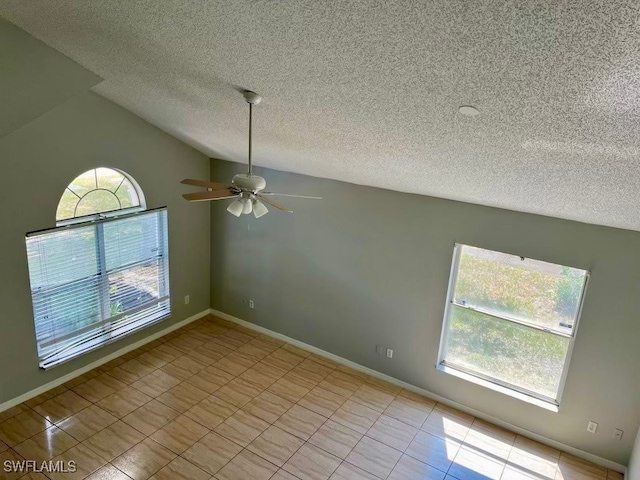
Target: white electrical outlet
x=187, y=299
x=617, y=434
x=389, y=353
x=592, y=427
x=251, y=304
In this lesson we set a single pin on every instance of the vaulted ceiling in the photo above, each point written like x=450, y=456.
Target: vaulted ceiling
x=368, y=91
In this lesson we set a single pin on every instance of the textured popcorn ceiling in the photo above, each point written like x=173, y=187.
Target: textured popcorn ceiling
x=367, y=91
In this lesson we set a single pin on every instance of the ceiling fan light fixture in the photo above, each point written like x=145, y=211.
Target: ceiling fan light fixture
x=244, y=187
x=235, y=208
x=247, y=206
x=259, y=209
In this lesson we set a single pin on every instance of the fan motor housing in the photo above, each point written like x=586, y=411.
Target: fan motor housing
x=249, y=182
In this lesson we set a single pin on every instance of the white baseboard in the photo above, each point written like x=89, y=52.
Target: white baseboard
x=76, y=373
x=496, y=421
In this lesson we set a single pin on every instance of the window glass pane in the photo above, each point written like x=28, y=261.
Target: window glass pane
x=518, y=355
x=97, y=201
x=84, y=183
x=67, y=206
x=532, y=291
x=108, y=179
x=100, y=190
x=127, y=195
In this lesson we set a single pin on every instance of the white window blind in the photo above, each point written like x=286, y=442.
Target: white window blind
x=93, y=283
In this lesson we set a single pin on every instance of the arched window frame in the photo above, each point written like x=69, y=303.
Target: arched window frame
x=101, y=276
x=106, y=213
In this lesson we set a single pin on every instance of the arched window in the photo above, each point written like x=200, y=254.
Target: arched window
x=103, y=272
x=99, y=191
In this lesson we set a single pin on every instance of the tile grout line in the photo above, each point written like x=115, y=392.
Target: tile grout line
x=261, y=360
x=305, y=442
x=584, y=456
x=270, y=424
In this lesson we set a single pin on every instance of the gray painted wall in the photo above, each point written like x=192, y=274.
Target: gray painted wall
x=38, y=161
x=633, y=471
x=368, y=266
x=34, y=78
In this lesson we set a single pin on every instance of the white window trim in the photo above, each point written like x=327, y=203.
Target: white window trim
x=100, y=216
x=506, y=389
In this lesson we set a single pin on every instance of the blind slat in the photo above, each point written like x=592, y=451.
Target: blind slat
x=93, y=284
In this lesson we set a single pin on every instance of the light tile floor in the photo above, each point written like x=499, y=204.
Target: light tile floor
x=217, y=401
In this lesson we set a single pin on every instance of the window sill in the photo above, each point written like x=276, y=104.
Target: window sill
x=552, y=407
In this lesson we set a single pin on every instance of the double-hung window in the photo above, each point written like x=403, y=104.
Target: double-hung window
x=511, y=322
x=98, y=276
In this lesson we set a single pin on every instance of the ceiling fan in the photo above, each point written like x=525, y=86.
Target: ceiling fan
x=246, y=188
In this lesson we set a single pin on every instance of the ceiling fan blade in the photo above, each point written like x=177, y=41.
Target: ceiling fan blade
x=213, y=195
x=275, y=204
x=289, y=195
x=206, y=184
